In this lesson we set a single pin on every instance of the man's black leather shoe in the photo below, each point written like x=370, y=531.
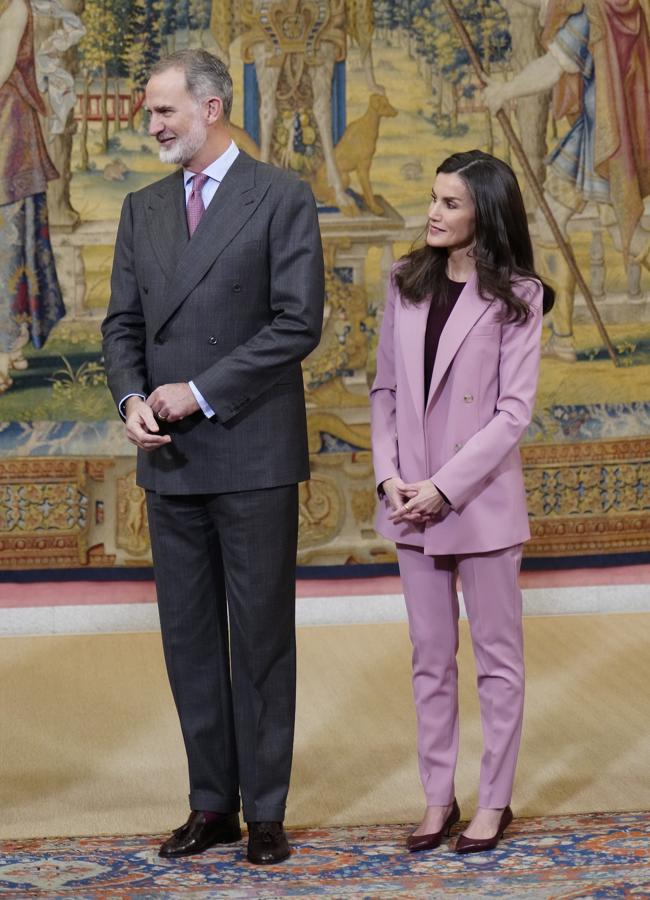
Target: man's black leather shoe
x=197, y=834
x=267, y=843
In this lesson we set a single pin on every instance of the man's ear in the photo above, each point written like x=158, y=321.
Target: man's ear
x=214, y=107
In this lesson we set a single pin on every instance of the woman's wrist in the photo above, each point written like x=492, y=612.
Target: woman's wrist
x=440, y=492
x=381, y=490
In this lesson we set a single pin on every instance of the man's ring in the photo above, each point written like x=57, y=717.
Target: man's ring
x=161, y=416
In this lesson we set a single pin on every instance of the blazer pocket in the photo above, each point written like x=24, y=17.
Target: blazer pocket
x=484, y=331
x=284, y=387
x=242, y=252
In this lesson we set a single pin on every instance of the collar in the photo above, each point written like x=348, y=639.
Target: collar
x=217, y=169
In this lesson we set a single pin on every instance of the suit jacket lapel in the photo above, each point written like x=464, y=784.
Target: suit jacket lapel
x=413, y=325
x=236, y=199
x=468, y=309
x=167, y=221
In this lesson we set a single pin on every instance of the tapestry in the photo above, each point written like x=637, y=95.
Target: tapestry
x=363, y=100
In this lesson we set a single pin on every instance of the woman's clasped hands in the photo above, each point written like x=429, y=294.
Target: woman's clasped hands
x=418, y=502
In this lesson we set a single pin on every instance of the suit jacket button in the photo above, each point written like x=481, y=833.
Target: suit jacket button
x=213, y=340
x=468, y=398
x=236, y=287
x=145, y=288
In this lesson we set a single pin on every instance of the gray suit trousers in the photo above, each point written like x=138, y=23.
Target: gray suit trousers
x=225, y=577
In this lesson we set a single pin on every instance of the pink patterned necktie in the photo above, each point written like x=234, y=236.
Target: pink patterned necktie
x=195, y=207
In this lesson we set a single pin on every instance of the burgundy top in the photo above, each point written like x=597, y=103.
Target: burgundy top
x=439, y=312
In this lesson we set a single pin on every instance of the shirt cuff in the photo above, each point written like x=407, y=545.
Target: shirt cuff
x=123, y=401
x=206, y=409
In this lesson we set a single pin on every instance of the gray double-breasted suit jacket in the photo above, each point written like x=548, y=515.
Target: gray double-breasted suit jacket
x=235, y=309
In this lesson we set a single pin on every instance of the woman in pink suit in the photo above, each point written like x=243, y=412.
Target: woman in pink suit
x=457, y=369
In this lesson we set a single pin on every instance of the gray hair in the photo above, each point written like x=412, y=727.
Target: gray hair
x=205, y=75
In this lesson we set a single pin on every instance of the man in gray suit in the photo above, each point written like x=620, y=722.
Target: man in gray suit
x=217, y=295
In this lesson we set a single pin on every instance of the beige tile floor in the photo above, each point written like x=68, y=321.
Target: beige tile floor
x=89, y=742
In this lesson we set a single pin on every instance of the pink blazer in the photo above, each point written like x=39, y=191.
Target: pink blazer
x=480, y=402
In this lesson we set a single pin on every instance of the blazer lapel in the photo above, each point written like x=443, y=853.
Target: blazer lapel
x=236, y=199
x=467, y=311
x=413, y=326
x=167, y=222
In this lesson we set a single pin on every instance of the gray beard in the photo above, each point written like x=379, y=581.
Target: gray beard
x=185, y=148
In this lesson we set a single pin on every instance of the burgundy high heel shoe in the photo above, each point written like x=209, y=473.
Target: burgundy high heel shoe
x=479, y=845
x=416, y=842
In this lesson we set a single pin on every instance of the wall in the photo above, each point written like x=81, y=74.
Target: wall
x=401, y=84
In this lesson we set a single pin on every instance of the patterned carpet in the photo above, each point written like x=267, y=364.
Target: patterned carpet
x=585, y=856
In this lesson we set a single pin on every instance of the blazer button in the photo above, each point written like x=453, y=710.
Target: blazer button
x=236, y=287
x=468, y=398
x=213, y=340
x=145, y=288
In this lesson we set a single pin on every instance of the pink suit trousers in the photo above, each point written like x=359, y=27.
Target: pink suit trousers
x=494, y=608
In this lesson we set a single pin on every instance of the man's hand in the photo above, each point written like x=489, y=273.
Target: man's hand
x=173, y=402
x=423, y=502
x=141, y=426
